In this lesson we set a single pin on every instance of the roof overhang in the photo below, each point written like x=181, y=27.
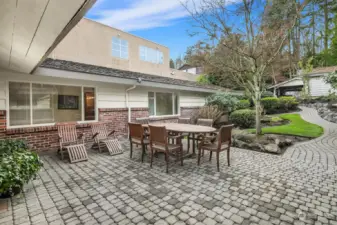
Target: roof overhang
x=116, y=80
x=30, y=29
x=286, y=83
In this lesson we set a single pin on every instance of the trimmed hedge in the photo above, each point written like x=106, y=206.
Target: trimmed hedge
x=243, y=104
x=270, y=104
x=244, y=118
x=287, y=103
x=279, y=105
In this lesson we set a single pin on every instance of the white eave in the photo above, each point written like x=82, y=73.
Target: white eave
x=31, y=29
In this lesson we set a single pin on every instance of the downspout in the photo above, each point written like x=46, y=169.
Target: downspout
x=127, y=101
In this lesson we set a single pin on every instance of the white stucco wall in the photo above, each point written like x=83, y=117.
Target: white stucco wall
x=318, y=87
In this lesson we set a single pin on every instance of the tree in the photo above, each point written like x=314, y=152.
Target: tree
x=179, y=62
x=172, y=66
x=250, y=35
x=306, y=69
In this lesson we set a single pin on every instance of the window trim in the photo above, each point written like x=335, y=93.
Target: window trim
x=31, y=103
x=174, y=94
x=120, y=48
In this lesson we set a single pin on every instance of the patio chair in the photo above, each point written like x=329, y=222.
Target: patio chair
x=137, y=137
x=105, y=139
x=222, y=143
x=159, y=143
x=177, y=136
x=71, y=142
x=202, y=122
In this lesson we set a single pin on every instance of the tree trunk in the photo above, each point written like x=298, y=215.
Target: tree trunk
x=257, y=105
x=258, y=117
x=326, y=25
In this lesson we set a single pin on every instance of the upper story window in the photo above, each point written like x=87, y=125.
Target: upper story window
x=120, y=48
x=151, y=55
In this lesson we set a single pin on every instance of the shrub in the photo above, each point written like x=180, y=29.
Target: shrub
x=270, y=104
x=210, y=112
x=243, y=104
x=287, y=103
x=244, y=118
x=18, y=166
x=224, y=101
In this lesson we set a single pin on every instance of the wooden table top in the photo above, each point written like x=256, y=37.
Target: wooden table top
x=183, y=128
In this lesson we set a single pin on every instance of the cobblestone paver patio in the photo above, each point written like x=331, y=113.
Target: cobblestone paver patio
x=321, y=150
x=257, y=189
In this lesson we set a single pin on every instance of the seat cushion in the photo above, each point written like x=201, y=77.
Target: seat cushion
x=171, y=147
x=138, y=141
x=214, y=146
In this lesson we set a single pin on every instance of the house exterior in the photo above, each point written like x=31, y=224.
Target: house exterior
x=191, y=69
x=96, y=73
x=317, y=85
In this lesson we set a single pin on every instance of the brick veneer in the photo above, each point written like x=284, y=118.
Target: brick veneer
x=44, y=138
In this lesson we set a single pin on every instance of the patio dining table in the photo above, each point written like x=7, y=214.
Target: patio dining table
x=185, y=128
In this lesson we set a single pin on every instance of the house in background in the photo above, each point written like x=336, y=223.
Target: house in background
x=317, y=85
x=96, y=73
x=191, y=69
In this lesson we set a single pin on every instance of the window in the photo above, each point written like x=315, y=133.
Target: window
x=161, y=103
x=31, y=103
x=151, y=55
x=120, y=48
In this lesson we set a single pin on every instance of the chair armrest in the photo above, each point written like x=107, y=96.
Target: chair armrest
x=93, y=136
x=112, y=133
x=210, y=138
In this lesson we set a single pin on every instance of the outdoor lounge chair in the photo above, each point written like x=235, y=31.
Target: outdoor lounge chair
x=105, y=139
x=71, y=142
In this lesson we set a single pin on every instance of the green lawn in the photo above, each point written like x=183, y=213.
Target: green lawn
x=297, y=127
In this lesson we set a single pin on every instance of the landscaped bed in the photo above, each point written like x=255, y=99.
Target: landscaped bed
x=296, y=127
x=278, y=133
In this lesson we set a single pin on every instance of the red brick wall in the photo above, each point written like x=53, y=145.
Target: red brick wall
x=44, y=138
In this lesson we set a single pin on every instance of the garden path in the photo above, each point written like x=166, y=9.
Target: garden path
x=321, y=150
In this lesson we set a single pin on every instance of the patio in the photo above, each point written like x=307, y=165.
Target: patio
x=257, y=189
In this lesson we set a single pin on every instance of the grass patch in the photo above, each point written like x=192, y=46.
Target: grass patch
x=297, y=127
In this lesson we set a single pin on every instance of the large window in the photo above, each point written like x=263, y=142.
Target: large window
x=151, y=55
x=120, y=48
x=161, y=103
x=31, y=103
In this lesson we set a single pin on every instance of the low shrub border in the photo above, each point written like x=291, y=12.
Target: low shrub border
x=244, y=118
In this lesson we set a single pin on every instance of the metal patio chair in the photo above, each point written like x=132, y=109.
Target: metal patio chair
x=71, y=142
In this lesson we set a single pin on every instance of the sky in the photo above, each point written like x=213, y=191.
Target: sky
x=165, y=22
